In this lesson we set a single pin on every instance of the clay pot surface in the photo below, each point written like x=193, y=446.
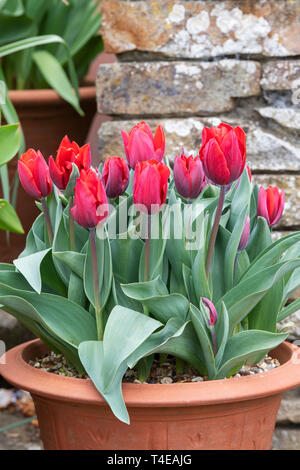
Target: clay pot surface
x=46, y=118
x=230, y=414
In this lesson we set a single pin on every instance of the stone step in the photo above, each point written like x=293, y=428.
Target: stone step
x=265, y=150
x=175, y=88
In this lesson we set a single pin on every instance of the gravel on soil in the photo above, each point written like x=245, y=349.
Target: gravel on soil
x=164, y=372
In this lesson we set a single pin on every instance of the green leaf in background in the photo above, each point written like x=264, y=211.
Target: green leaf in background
x=55, y=75
x=14, y=29
x=12, y=7
x=8, y=218
x=10, y=138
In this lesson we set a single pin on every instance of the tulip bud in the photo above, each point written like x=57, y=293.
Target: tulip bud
x=213, y=316
x=245, y=235
x=90, y=202
x=67, y=154
x=189, y=176
x=270, y=204
x=140, y=145
x=115, y=176
x=34, y=174
x=223, y=153
x=150, y=185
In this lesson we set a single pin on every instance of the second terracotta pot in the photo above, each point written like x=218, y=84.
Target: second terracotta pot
x=46, y=119
x=232, y=414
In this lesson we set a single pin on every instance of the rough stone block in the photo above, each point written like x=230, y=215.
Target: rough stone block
x=197, y=29
x=266, y=151
x=175, y=88
x=281, y=75
x=286, y=438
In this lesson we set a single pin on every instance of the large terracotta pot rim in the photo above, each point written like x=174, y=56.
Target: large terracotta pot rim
x=18, y=372
x=33, y=98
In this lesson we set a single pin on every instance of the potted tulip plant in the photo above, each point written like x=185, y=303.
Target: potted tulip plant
x=129, y=268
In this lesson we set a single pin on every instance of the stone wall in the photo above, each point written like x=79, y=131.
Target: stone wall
x=186, y=64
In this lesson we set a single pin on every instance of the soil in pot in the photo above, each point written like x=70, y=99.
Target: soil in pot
x=161, y=372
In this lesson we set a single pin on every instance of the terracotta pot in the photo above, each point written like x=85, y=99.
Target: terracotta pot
x=46, y=119
x=237, y=413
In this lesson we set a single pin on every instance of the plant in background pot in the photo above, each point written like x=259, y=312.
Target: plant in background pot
x=130, y=271
x=10, y=138
x=46, y=48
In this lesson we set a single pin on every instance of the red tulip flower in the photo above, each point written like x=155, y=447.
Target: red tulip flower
x=90, y=204
x=34, y=174
x=67, y=154
x=189, y=176
x=223, y=153
x=150, y=185
x=270, y=204
x=140, y=145
x=115, y=176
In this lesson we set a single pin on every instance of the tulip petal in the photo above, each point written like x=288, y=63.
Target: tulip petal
x=85, y=157
x=141, y=148
x=41, y=175
x=159, y=143
x=84, y=210
x=235, y=161
x=262, y=210
x=27, y=181
x=182, y=177
x=241, y=136
x=56, y=174
x=215, y=165
x=125, y=138
x=280, y=208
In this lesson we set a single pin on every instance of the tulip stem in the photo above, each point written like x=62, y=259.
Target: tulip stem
x=48, y=220
x=96, y=285
x=215, y=228
x=147, y=250
x=71, y=226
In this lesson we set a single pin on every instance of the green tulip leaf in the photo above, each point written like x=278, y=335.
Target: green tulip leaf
x=30, y=267
x=246, y=347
